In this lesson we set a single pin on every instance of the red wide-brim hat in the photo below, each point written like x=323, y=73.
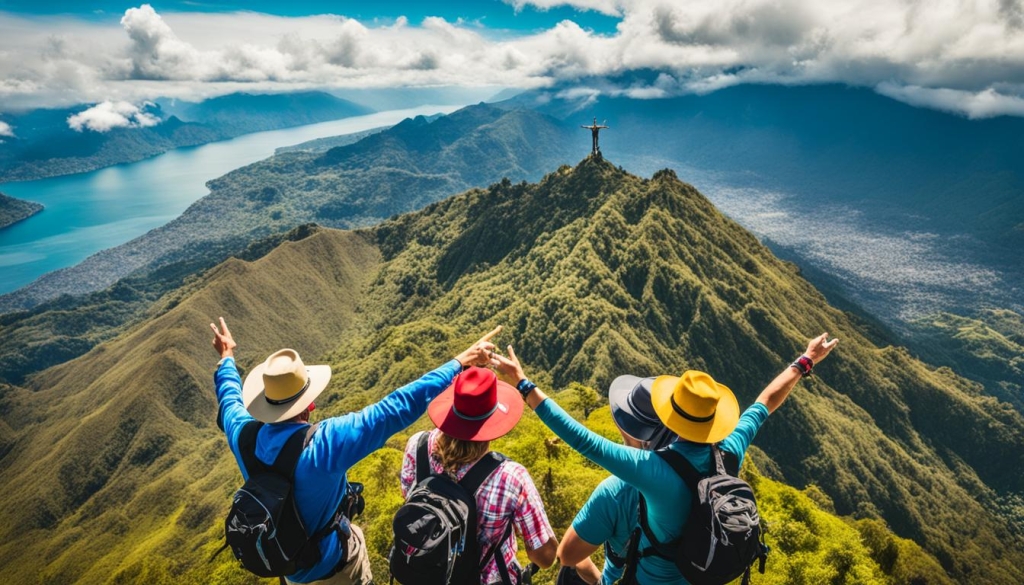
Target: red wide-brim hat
x=476, y=407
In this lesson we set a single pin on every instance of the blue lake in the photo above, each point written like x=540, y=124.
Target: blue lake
x=89, y=212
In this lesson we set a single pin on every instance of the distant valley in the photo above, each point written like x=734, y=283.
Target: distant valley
x=45, y=146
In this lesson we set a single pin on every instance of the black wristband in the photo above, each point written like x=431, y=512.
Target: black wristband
x=525, y=386
x=804, y=365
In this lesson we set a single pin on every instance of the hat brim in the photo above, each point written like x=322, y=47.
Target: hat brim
x=503, y=420
x=255, y=400
x=633, y=424
x=727, y=413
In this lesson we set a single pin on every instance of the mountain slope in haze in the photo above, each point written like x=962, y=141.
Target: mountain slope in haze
x=13, y=210
x=831, y=149
x=398, y=170
x=594, y=273
x=46, y=147
x=241, y=113
x=988, y=348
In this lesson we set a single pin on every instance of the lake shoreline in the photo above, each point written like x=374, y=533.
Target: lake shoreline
x=103, y=209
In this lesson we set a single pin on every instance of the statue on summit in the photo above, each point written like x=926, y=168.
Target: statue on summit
x=595, y=129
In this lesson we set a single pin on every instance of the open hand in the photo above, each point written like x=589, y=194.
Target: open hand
x=509, y=367
x=223, y=343
x=819, y=347
x=479, y=354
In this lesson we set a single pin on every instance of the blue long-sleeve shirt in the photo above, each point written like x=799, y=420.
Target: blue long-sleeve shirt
x=668, y=498
x=338, y=444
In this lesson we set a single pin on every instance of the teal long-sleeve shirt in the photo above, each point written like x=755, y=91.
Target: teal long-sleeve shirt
x=668, y=498
x=339, y=443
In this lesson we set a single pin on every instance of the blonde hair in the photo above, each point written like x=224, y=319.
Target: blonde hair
x=454, y=453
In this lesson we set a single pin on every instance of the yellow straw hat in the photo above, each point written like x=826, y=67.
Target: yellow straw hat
x=282, y=387
x=695, y=407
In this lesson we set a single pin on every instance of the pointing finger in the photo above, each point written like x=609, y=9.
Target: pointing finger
x=224, y=326
x=512, y=354
x=493, y=332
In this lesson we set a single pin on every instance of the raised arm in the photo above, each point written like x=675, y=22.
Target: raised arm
x=231, y=413
x=623, y=462
x=354, y=436
x=778, y=390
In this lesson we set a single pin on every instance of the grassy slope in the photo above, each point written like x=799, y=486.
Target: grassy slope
x=594, y=272
x=129, y=438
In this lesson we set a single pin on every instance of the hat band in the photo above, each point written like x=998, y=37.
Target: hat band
x=688, y=416
x=290, y=398
x=641, y=415
x=474, y=418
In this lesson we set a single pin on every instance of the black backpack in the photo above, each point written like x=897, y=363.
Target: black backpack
x=722, y=537
x=435, y=530
x=263, y=527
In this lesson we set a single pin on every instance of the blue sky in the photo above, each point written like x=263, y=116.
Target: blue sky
x=492, y=14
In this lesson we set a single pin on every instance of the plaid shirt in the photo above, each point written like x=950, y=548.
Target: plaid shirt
x=508, y=493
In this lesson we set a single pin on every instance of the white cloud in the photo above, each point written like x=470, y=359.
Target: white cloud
x=6, y=130
x=108, y=115
x=948, y=50
x=982, y=104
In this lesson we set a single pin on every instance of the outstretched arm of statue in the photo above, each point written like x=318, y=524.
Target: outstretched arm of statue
x=778, y=390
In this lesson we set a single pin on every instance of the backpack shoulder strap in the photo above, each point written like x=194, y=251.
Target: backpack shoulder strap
x=309, y=434
x=657, y=548
x=682, y=466
x=247, y=446
x=480, y=471
x=423, y=457
x=730, y=461
x=689, y=474
x=288, y=458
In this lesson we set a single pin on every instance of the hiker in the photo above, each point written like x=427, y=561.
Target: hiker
x=281, y=393
x=700, y=411
x=609, y=515
x=476, y=409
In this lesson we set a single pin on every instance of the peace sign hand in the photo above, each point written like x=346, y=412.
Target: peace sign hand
x=223, y=343
x=479, y=354
x=509, y=367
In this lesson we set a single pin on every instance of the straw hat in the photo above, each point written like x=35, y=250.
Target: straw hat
x=282, y=387
x=476, y=407
x=695, y=407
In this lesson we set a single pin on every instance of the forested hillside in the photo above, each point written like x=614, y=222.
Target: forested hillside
x=14, y=210
x=594, y=272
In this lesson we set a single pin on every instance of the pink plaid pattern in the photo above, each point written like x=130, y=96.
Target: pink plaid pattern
x=508, y=493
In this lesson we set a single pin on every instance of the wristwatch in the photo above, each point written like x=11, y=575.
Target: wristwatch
x=525, y=386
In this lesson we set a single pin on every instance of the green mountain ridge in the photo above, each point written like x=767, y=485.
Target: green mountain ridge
x=594, y=272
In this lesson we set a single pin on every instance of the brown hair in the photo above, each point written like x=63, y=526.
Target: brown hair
x=454, y=453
